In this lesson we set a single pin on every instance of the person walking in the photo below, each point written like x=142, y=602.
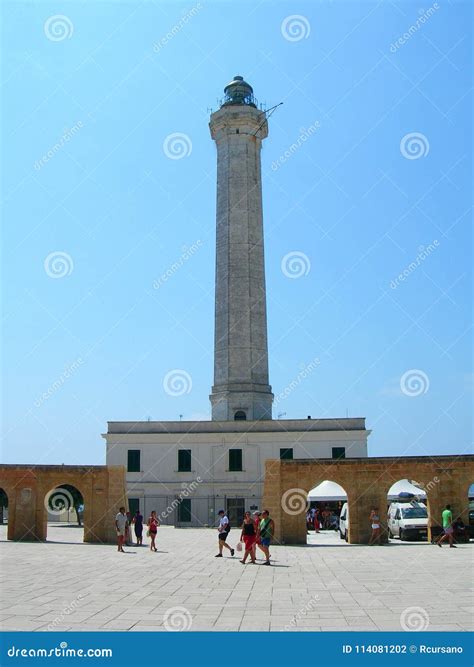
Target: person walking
x=128, y=531
x=121, y=528
x=223, y=530
x=153, y=524
x=376, y=527
x=266, y=530
x=248, y=536
x=317, y=521
x=448, y=530
x=138, y=527
x=256, y=521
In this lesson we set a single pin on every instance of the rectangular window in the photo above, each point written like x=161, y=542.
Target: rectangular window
x=133, y=505
x=235, y=460
x=286, y=454
x=338, y=452
x=184, y=460
x=133, y=461
x=184, y=510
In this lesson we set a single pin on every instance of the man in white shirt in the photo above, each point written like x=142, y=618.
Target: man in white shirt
x=223, y=529
x=121, y=523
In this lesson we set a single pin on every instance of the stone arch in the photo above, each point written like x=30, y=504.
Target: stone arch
x=102, y=489
x=366, y=481
x=60, y=501
x=333, y=502
x=3, y=505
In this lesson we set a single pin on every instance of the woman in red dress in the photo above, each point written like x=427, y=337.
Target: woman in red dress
x=248, y=536
x=153, y=524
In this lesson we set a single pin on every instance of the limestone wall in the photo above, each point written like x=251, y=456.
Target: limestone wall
x=446, y=479
x=27, y=488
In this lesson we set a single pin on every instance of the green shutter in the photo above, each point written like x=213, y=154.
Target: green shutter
x=235, y=460
x=184, y=460
x=133, y=461
x=184, y=510
x=338, y=452
x=286, y=454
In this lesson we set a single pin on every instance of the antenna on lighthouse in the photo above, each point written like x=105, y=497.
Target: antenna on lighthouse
x=267, y=113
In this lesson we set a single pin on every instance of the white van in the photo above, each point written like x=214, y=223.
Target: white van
x=344, y=522
x=408, y=520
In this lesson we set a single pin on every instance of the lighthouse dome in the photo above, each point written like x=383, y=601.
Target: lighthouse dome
x=238, y=91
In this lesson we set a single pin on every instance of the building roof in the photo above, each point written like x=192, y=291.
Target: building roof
x=261, y=426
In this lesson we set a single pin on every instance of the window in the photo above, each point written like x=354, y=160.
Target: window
x=235, y=460
x=184, y=509
x=415, y=513
x=184, y=460
x=133, y=505
x=338, y=452
x=240, y=416
x=133, y=461
x=286, y=454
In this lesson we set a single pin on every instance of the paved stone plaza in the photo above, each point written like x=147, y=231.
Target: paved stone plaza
x=68, y=585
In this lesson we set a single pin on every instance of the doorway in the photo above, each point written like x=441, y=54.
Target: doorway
x=236, y=510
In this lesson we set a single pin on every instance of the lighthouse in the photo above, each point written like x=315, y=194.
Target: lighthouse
x=241, y=389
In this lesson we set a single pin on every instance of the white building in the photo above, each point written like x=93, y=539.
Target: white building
x=187, y=471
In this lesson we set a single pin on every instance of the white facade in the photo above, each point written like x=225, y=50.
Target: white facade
x=211, y=485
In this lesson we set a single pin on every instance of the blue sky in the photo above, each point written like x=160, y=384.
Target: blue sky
x=98, y=88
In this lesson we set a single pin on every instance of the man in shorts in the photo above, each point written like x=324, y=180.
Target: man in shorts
x=223, y=529
x=265, y=534
x=448, y=530
x=121, y=525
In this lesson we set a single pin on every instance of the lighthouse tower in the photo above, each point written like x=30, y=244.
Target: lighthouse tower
x=241, y=389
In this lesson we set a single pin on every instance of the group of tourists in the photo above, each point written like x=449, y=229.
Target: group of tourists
x=447, y=534
x=322, y=519
x=256, y=531
x=124, y=522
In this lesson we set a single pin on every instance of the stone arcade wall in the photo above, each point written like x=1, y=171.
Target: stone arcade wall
x=446, y=479
x=102, y=488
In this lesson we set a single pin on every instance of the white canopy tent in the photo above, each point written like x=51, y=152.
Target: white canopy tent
x=327, y=491
x=330, y=491
x=405, y=487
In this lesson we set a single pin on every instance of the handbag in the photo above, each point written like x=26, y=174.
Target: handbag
x=239, y=546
